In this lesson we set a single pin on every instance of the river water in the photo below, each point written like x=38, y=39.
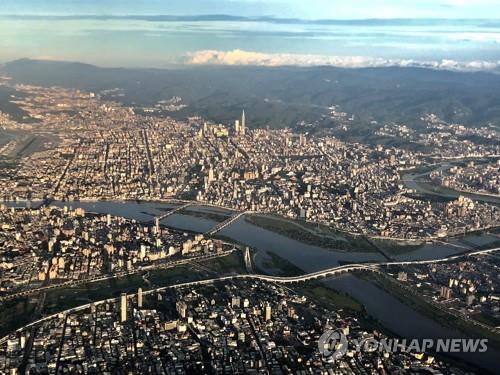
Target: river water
x=406, y=322
x=392, y=313
x=415, y=180
x=307, y=257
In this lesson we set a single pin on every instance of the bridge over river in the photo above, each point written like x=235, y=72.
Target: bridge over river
x=371, y=267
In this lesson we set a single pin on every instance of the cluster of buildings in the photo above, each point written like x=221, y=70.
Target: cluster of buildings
x=447, y=141
x=107, y=151
x=222, y=328
x=394, y=130
x=4, y=120
x=50, y=245
x=474, y=178
x=470, y=286
x=102, y=150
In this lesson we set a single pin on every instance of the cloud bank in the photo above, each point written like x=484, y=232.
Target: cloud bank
x=240, y=57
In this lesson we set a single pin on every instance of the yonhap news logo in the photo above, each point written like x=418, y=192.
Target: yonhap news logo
x=333, y=344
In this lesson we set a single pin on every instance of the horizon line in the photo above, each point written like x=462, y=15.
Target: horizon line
x=170, y=66
x=223, y=16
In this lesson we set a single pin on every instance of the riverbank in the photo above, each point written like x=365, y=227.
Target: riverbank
x=311, y=234
x=272, y=264
x=411, y=298
x=418, y=179
x=212, y=214
x=395, y=315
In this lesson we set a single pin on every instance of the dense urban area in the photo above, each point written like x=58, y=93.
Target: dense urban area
x=49, y=245
x=106, y=151
x=225, y=328
x=428, y=187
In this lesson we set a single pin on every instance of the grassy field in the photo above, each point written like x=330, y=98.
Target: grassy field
x=231, y=264
x=15, y=314
x=279, y=265
x=395, y=248
x=330, y=298
x=486, y=319
x=213, y=215
x=311, y=234
x=66, y=298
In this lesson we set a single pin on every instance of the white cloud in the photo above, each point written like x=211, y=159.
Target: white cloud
x=45, y=58
x=240, y=57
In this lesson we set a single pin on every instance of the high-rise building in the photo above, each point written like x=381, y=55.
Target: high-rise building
x=237, y=126
x=235, y=302
x=123, y=307
x=181, y=308
x=211, y=175
x=268, y=312
x=157, y=225
x=445, y=292
x=243, y=123
x=302, y=140
x=139, y=298
x=22, y=341
x=241, y=336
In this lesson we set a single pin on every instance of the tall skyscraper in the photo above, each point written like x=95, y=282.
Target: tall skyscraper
x=123, y=307
x=302, y=140
x=237, y=126
x=22, y=341
x=181, y=307
x=211, y=175
x=157, y=225
x=268, y=312
x=139, y=298
x=243, y=123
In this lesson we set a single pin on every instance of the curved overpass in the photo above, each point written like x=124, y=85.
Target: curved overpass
x=275, y=279
x=372, y=267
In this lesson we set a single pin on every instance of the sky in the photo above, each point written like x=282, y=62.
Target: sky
x=450, y=34
x=310, y=9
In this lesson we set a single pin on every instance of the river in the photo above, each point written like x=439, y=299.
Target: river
x=308, y=257
x=392, y=313
x=407, y=323
x=417, y=180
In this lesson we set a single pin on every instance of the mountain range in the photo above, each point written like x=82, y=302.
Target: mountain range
x=286, y=96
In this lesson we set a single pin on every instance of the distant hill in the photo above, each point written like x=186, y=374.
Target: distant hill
x=283, y=96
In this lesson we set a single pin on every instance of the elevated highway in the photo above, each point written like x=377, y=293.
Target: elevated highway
x=334, y=271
